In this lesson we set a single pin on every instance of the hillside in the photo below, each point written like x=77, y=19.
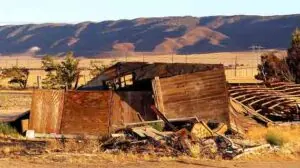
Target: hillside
x=164, y=35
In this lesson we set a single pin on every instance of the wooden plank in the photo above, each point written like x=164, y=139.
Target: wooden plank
x=272, y=101
x=164, y=118
x=258, y=95
x=157, y=93
x=254, y=113
x=262, y=99
x=281, y=103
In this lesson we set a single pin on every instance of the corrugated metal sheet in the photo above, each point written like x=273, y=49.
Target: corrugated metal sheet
x=86, y=113
x=46, y=111
x=201, y=94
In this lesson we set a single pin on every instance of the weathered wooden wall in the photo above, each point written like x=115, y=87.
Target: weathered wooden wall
x=129, y=107
x=201, y=94
x=46, y=111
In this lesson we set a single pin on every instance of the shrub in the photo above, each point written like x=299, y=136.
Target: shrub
x=275, y=138
x=6, y=129
x=16, y=75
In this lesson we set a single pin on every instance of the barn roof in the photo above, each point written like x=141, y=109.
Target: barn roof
x=148, y=71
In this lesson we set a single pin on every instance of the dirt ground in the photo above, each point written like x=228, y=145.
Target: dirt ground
x=65, y=161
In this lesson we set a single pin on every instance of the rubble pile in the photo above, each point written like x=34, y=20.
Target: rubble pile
x=200, y=141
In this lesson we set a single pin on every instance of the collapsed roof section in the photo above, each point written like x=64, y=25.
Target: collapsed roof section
x=278, y=101
x=138, y=75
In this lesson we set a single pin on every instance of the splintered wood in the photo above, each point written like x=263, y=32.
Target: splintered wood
x=277, y=101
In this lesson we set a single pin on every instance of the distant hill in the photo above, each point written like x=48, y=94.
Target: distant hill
x=167, y=34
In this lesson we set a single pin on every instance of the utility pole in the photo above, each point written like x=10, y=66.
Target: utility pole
x=256, y=49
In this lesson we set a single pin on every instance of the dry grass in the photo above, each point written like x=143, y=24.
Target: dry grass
x=286, y=138
x=14, y=101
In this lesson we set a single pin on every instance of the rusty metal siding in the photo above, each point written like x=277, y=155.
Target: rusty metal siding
x=46, y=111
x=201, y=94
x=86, y=113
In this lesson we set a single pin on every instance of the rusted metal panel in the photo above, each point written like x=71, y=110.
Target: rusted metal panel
x=46, y=111
x=201, y=94
x=86, y=113
x=130, y=107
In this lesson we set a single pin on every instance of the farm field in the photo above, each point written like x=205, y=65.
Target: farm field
x=244, y=72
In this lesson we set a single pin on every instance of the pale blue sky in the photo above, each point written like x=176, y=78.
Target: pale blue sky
x=73, y=11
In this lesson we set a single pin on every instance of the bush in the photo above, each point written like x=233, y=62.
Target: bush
x=274, y=138
x=6, y=129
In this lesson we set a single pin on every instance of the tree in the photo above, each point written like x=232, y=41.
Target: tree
x=51, y=80
x=68, y=71
x=96, y=67
x=293, y=58
x=61, y=75
x=16, y=75
x=273, y=69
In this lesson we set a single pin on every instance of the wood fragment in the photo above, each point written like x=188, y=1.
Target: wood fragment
x=163, y=118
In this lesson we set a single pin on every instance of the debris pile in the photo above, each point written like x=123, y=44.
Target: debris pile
x=200, y=141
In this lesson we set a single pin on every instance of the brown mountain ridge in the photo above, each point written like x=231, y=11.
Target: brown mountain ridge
x=182, y=35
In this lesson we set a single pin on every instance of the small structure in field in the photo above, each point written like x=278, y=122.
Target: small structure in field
x=124, y=94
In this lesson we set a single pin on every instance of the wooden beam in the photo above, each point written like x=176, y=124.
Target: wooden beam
x=163, y=117
x=248, y=94
x=262, y=99
x=272, y=101
x=292, y=88
x=281, y=103
x=254, y=113
x=254, y=97
x=158, y=97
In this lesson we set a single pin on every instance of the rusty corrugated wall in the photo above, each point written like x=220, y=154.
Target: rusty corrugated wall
x=86, y=113
x=46, y=111
x=201, y=94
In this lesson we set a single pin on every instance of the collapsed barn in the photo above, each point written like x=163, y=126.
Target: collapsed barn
x=126, y=93
x=276, y=101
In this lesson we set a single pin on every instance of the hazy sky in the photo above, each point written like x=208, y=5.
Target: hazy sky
x=73, y=11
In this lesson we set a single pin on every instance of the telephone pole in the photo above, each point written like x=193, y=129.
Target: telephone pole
x=256, y=49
